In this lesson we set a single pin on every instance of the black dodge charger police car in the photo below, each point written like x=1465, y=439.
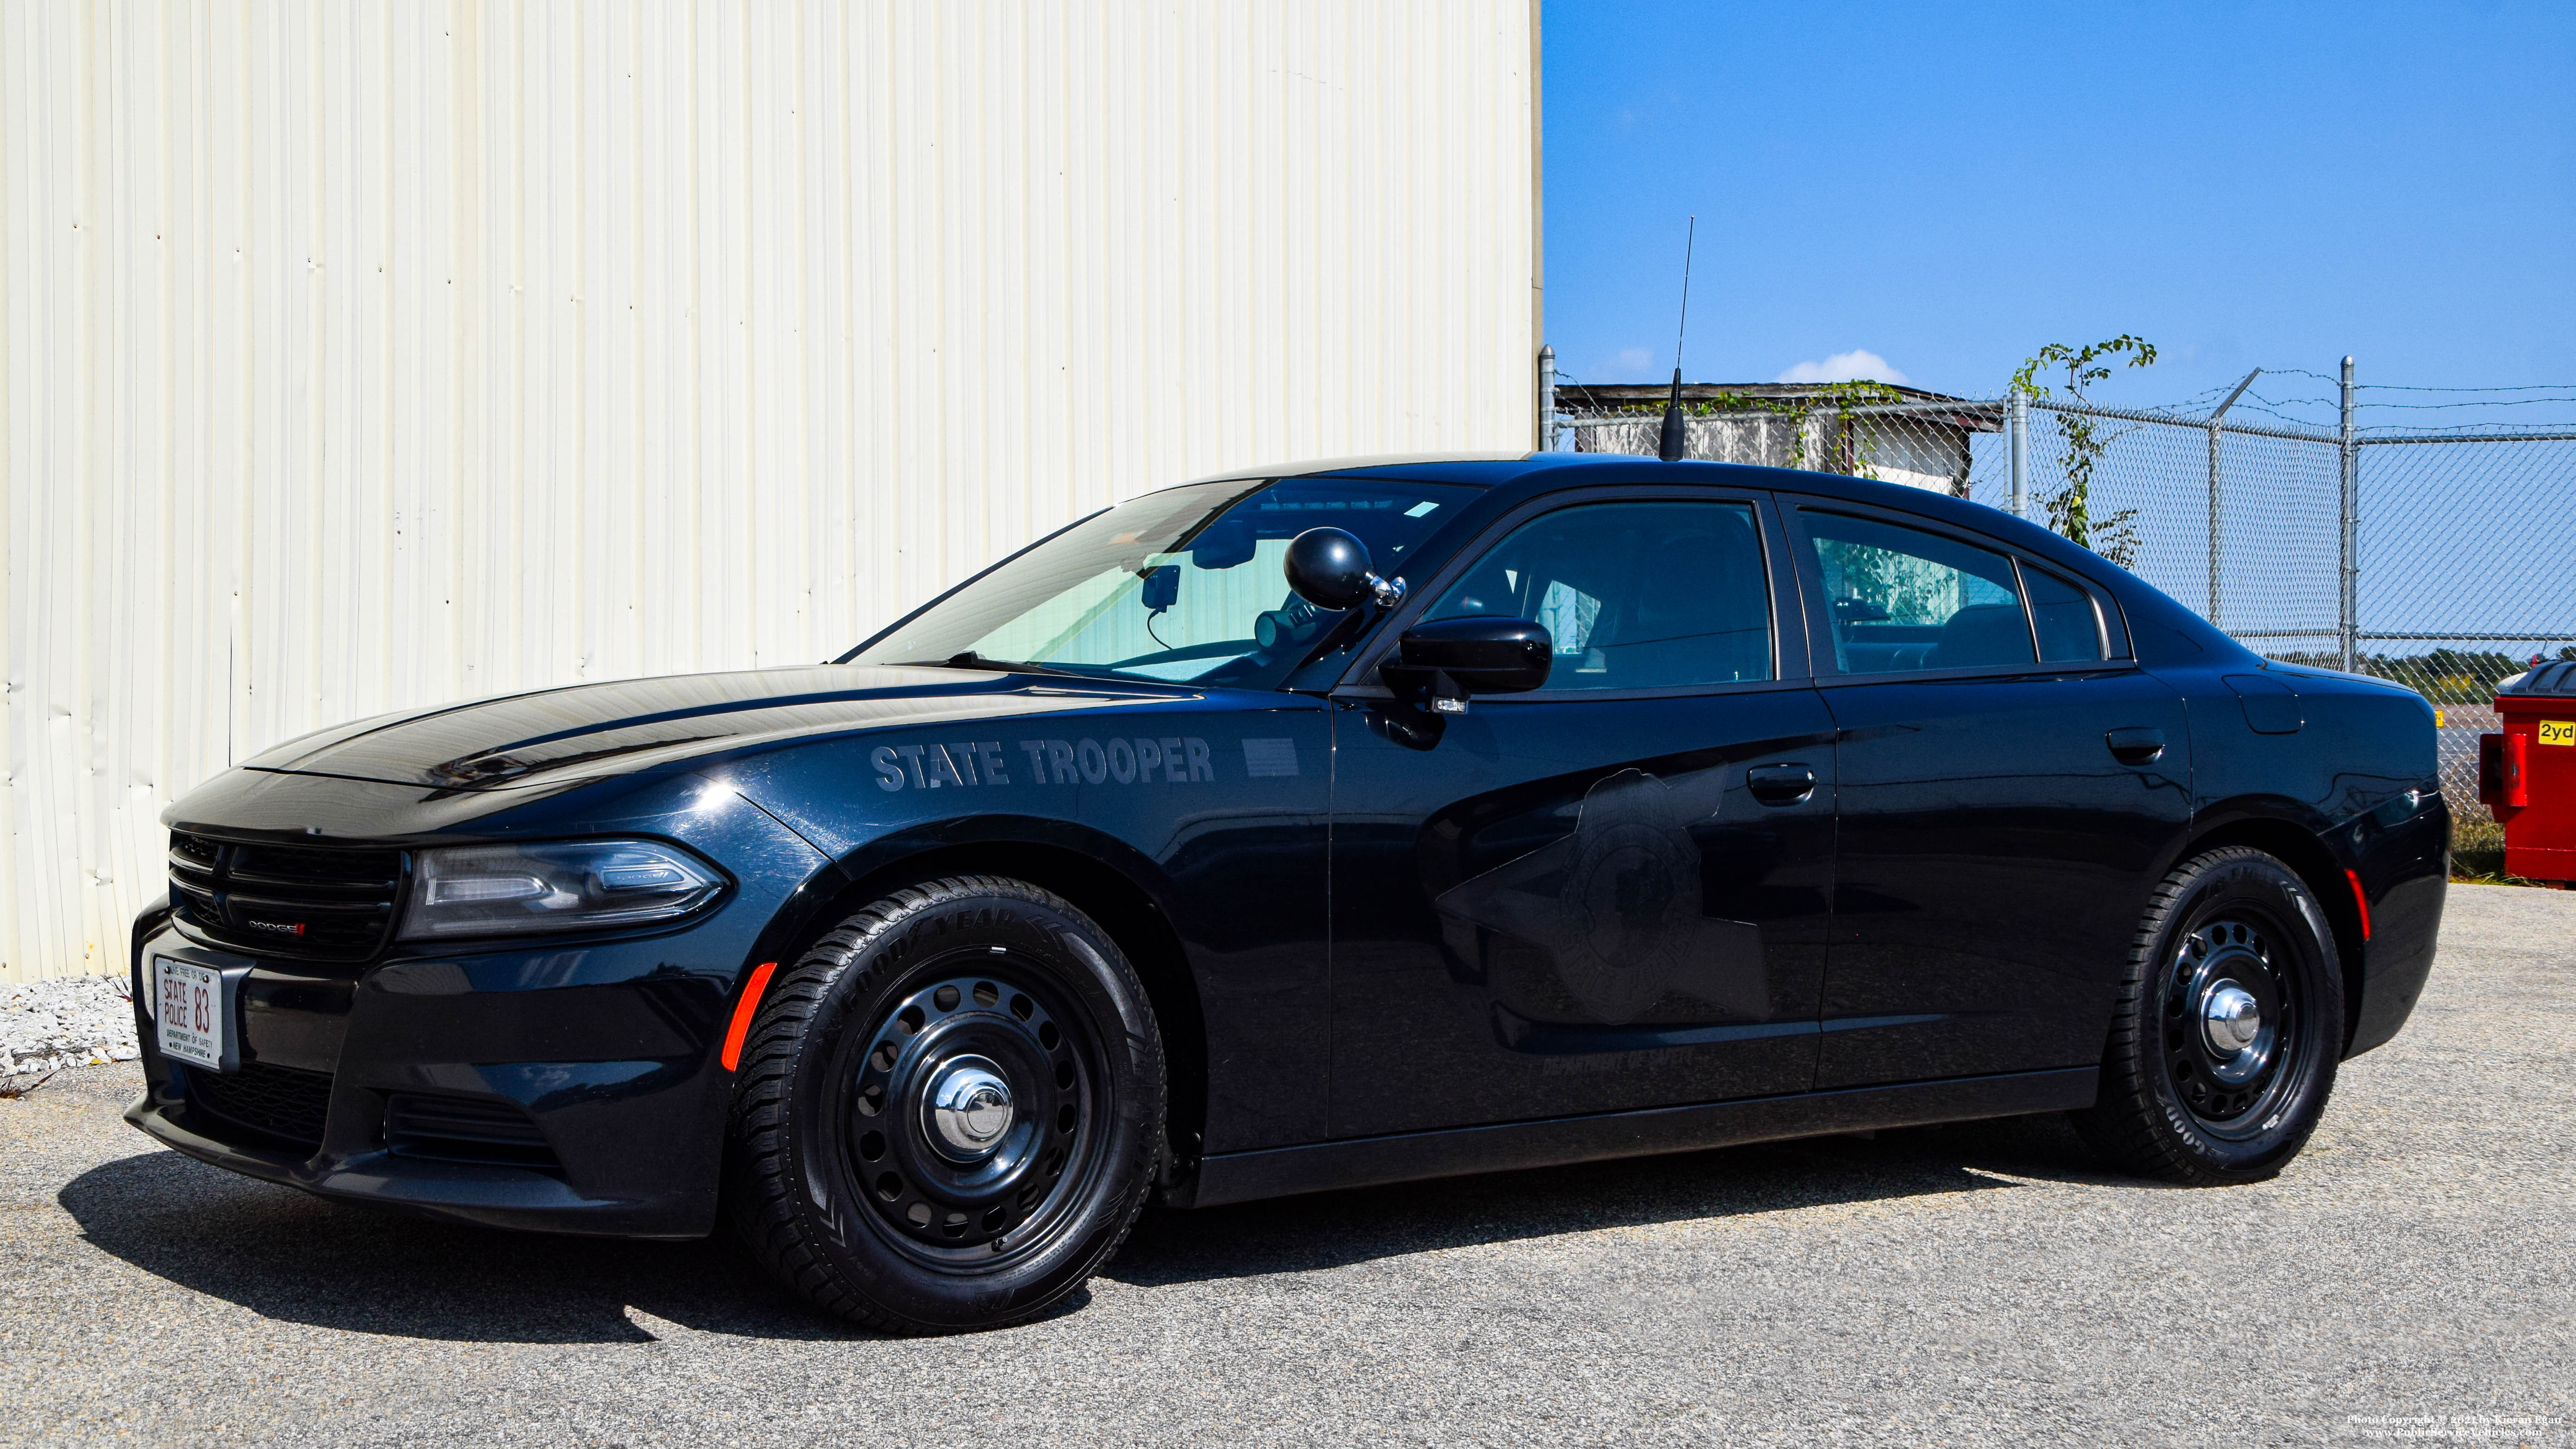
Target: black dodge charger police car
x=1332, y=826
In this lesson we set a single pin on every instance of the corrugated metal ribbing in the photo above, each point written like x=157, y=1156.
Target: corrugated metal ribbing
x=361, y=355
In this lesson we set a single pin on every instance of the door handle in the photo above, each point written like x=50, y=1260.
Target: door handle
x=1781, y=784
x=2136, y=746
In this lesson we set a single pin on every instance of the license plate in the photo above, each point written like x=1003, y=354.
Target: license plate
x=188, y=1005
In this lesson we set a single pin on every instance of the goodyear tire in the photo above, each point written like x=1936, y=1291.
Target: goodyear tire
x=2228, y=1027
x=947, y=1114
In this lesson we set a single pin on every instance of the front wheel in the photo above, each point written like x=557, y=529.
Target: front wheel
x=2229, y=1024
x=949, y=1109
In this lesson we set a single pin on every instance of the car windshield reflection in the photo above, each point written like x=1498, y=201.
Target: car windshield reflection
x=1181, y=586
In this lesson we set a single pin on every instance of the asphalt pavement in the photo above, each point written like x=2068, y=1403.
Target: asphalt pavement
x=2412, y=1279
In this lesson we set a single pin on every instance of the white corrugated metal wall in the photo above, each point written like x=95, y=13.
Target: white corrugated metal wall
x=364, y=355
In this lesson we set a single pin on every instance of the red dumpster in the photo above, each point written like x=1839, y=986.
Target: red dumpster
x=2527, y=774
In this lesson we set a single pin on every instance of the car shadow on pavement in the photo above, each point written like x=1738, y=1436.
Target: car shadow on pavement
x=287, y=1255
x=1332, y=1229
x=297, y=1258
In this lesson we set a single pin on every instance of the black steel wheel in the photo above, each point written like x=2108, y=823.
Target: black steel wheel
x=2231, y=1020
x=2228, y=1028
x=948, y=1111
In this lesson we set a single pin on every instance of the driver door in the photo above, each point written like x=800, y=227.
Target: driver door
x=1609, y=893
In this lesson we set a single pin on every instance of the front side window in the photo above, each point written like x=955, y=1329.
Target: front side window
x=1182, y=585
x=1901, y=599
x=1646, y=595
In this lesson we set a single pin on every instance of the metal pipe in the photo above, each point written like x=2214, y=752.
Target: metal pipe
x=2020, y=433
x=2351, y=613
x=2452, y=638
x=2483, y=638
x=2211, y=613
x=2540, y=437
x=1547, y=399
x=2215, y=416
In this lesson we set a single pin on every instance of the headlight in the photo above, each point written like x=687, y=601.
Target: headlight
x=574, y=885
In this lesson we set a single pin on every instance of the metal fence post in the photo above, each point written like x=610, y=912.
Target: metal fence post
x=2019, y=433
x=2350, y=621
x=2216, y=416
x=1547, y=399
x=2211, y=613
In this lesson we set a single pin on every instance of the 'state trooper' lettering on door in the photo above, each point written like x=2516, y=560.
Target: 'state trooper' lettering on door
x=1166, y=760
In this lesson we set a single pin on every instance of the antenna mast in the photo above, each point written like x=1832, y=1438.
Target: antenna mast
x=1676, y=438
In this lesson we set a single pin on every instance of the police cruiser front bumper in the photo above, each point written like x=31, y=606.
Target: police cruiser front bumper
x=570, y=1082
x=568, y=1088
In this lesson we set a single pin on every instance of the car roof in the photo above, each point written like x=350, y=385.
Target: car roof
x=1532, y=474
x=1529, y=475
x=1544, y=472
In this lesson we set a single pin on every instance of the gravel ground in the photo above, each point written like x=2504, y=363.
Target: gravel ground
x=2411, y=1278
x=68, y=1022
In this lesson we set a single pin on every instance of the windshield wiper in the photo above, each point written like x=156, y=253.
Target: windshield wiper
x=969, y=659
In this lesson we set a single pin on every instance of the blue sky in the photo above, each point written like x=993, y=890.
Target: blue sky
x=1946, y=187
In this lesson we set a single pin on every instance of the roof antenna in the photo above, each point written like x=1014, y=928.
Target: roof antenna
x=1676, y=439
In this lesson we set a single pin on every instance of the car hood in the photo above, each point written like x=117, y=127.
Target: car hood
x=616, y=728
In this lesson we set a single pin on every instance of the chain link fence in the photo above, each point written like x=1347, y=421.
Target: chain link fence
x=2442, y=559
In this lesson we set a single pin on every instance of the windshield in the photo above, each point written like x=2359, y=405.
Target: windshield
x=1182, y=585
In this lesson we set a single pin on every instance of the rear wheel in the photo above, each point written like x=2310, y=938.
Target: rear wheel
x=2229, y=1025
x=949, y=1109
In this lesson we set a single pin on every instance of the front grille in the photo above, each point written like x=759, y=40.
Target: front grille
x=316, y=902
x=280, y=1103
x=465, y=1129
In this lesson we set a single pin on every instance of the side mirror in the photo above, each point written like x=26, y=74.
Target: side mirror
x=1329, y=568
x=1480, y=654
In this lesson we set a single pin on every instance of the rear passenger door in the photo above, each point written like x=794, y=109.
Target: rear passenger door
x=2009, y=781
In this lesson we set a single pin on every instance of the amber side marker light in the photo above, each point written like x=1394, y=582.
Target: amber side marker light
x=750, y=1002
x=2358, y=899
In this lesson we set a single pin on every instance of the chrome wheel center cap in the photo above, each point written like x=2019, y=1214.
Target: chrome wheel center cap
x=970, y=1107
x=2231, y=1018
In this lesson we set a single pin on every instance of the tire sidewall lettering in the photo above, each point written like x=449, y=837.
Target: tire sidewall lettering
x=2317, y=968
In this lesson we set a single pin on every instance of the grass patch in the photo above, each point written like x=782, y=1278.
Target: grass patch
x=2477, y=855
